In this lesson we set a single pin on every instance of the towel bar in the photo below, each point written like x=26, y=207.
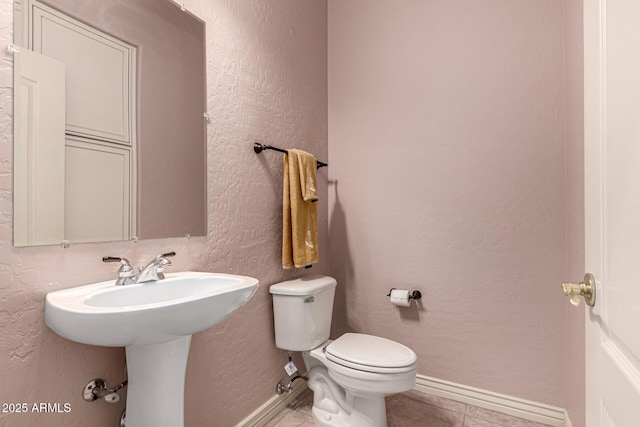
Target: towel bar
x=257, y=147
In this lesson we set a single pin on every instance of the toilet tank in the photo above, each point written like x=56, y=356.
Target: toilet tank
x=302, y=310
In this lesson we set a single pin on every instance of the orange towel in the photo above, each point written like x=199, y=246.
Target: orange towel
x=299, y=210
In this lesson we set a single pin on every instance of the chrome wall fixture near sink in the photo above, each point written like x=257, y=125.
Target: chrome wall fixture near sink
x=154, y=320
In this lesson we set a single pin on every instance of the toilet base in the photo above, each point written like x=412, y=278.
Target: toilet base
x=335, y=407
x=327, y=419
x=368, y=411
x=331, y=405
x=347, y=397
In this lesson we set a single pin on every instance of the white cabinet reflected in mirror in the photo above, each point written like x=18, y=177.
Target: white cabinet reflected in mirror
x=109, y=124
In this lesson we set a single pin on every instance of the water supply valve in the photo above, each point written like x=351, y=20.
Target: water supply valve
x=97, y=389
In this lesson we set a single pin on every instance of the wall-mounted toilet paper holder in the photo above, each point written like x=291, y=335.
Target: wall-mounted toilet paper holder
x=412, y=295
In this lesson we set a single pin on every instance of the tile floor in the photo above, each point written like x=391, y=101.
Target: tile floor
x=411, y=409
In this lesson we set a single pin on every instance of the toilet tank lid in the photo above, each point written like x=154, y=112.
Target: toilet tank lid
x=307, y=285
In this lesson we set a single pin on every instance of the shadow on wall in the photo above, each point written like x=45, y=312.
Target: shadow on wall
x=273, y=171
x=342, y=270
x=412, y=314
x=341, y=266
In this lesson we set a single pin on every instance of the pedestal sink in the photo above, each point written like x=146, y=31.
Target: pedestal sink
x=154, y=321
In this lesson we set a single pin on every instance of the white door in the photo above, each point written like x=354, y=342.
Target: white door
x=39, y=157
x=612, y=204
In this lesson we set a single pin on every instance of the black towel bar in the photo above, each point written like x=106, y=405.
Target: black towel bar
x=257, y=147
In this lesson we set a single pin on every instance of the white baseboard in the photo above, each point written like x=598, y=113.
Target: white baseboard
x=567, y=420
x=272, y=407
x=532, y=411
x=509, y=405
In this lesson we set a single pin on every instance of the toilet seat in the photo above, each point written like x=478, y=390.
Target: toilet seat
x=369, y=353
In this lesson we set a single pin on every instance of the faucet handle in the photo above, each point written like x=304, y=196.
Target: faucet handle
x=115, y=259
x=166, y=255
x=162, y=262
x=125, y=272
x=125, y=266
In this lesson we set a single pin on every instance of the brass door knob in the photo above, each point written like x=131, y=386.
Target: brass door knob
x=586, y=289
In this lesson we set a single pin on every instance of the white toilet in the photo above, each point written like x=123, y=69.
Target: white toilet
x=349, y=376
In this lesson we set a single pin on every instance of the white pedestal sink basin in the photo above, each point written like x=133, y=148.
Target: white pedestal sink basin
x=154, y=321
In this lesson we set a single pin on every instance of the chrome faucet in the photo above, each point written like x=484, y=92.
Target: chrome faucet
x=149, y=273
x=153, y=270
x=125, y=272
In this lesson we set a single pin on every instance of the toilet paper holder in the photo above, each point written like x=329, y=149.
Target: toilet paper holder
x=412, y=295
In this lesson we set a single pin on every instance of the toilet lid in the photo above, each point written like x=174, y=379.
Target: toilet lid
x=371, y=354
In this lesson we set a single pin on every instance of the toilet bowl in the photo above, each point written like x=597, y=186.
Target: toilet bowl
x=363, y=382
x=349, y=376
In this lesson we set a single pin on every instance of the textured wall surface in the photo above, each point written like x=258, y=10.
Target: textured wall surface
x=447, y=153
x=266, y=71
x=450, y=174
x=575, y=363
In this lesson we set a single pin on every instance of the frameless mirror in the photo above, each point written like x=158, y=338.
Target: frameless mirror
x=109, y=121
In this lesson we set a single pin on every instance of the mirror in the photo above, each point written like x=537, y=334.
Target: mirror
x=109, y=121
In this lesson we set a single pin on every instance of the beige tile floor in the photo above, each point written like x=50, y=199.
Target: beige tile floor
x=411, y=409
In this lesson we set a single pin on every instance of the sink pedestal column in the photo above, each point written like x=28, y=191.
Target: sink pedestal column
x=155, y=393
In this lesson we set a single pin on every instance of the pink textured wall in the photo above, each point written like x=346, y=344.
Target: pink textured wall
x=266, y=68
x=448, y=170
x=448, y=130
x=575, y=363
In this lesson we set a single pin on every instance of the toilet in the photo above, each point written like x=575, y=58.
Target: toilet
x=349, y=376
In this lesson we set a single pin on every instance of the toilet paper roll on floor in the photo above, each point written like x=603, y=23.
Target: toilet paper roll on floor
x=400, y=297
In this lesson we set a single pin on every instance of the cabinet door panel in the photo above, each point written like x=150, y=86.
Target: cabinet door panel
x=98, y=196
x=99, y=74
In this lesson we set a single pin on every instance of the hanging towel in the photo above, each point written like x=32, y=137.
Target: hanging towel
x=299, y=210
